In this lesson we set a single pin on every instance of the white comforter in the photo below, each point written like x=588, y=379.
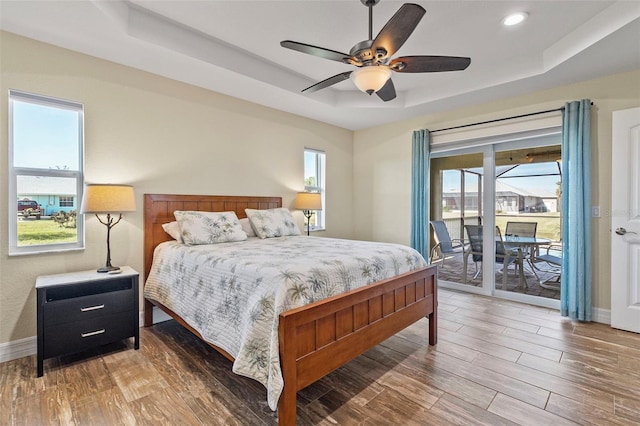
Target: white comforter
x=232, y=293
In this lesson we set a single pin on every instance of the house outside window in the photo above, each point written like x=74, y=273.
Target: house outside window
x=314, y=181
x=46, y=137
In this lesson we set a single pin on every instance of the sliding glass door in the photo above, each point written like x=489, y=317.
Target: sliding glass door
x=528, y=219
x=495, y=212
x=457, y=183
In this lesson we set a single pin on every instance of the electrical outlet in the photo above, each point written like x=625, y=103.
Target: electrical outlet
x=595, y=211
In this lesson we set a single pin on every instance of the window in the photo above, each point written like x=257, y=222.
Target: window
x=66, y=201
x=314, y=171
x=45, y=162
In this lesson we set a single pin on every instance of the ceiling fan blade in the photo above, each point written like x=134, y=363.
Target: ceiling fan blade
x=328, y=82
x=320, y=52
x=388, y=91
x=397, y=30
x=429, y=63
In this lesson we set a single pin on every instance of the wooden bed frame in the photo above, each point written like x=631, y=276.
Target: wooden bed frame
x=318, y=338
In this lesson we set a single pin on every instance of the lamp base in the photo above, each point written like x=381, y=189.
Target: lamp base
x=106, y=269
x=308, y=214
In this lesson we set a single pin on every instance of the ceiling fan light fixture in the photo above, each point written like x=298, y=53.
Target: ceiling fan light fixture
x=370, y=79
x=371, y=56
x=514, y=19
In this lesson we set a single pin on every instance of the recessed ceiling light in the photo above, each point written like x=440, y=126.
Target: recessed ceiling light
x=514, y=19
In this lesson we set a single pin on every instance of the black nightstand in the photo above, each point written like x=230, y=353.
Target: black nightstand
x=82, y=310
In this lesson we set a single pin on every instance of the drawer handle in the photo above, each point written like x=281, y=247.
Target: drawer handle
x=92, y=333
x=92, y=308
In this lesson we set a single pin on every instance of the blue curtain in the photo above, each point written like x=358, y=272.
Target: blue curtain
x=420, y=192
x=575, y=293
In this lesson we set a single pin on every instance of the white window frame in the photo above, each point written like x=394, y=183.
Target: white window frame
x=14, y=172
x=321, y=160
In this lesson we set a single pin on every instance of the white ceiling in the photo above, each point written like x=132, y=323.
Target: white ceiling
x=233, y=47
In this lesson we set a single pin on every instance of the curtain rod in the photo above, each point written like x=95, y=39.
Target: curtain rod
x=499, y=119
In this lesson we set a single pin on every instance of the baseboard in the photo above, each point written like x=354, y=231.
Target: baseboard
x=601, y=315
x=29, y=346
x=18, y=349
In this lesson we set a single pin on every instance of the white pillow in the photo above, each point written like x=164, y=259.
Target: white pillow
x=209, y=227
x=246, y=227
x=272, y=223
x=173, y=229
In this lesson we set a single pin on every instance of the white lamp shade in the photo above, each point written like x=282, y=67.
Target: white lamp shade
x=308, y=201
x=370, y=79
x=104, y=198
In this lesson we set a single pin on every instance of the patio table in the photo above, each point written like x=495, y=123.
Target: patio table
x=526, y=244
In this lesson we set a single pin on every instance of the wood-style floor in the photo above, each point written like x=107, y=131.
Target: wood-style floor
x=496, y=363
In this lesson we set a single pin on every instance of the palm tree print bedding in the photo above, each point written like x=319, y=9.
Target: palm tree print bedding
x=232, y=293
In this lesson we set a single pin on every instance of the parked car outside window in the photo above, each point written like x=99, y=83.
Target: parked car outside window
x=27, y=208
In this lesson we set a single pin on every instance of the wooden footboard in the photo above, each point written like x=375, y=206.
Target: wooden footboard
x=318, y=338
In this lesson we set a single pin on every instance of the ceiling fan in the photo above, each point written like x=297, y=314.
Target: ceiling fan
x=372, y=56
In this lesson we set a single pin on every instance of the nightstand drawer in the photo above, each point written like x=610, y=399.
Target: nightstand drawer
x=88, y=307
x=77, y=336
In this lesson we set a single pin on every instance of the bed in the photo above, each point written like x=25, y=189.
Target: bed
x=319, y=337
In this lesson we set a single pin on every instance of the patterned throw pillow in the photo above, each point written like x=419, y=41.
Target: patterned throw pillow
x=173, y=229
x=246, y=227
x=209, y=227
x=272, y=223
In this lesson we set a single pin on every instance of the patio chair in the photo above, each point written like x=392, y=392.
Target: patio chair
x=503, y=254
x=445, y=245
x=553, y=258
x=521, y=229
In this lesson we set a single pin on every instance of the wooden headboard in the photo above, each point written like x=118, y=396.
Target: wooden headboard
x=159, y=208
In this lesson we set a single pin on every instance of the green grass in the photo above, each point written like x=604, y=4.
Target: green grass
x=548, y=223
x=44, y=231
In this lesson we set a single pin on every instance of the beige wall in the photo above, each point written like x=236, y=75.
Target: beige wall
x=161, y=136
x=382, y=162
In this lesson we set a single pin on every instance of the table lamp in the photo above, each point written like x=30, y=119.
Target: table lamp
x=106, y=198
x=308, y=201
